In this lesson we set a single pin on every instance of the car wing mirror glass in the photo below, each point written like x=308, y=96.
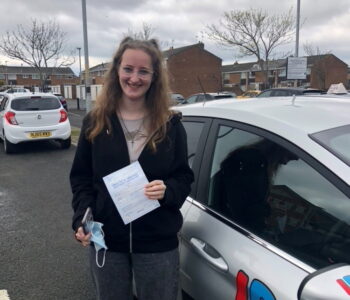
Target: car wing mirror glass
x=332, y=282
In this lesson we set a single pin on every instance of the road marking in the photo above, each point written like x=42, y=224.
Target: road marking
x=4, y=295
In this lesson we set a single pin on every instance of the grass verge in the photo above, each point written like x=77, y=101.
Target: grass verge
x=75, y=135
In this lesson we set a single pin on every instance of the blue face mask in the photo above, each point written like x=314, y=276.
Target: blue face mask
x=97, y=236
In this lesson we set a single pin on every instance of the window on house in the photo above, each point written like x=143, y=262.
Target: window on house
x=35, y=76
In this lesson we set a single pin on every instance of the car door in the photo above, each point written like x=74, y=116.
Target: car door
x=2, y=113
x=256, y=226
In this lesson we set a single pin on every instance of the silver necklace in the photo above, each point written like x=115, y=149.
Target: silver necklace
x=131, y=136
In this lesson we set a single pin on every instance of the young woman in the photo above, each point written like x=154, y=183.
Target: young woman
x=131, y=121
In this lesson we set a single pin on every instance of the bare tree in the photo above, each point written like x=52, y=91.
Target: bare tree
x=253, y=33
x=319, y=66
x=144, y=34
x=41, y=45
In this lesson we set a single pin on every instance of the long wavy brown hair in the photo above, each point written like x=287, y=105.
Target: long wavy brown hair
x=157, y=96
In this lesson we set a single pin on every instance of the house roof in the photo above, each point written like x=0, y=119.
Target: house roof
x=32, y=70
x=166, y=54
x=273, y=64
x=174, y=51
x=100, y=67
x=252, y=66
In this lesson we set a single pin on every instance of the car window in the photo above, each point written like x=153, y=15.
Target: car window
x=273, y=193
x=191, y=99
x=335, y=140
x=193, y=130
x=30, y=104
x=200, y=98
x=265, y=94
x=282, y=93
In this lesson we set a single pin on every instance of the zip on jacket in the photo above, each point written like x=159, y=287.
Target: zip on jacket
x=130, y=236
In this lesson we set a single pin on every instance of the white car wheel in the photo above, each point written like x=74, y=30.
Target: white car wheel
x=8, y=146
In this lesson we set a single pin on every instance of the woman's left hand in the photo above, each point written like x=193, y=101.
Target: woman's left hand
x=155, y=190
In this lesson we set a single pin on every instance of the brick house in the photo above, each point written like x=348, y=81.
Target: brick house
x=189, y=67
x=96, y=73
x=322, y=71
x=193, y=69
x=29, y=77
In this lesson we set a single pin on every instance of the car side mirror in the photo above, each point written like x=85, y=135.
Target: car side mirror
x=332, y=282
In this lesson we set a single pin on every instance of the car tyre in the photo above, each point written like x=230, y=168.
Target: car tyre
x=8, y=146
x=65, y=144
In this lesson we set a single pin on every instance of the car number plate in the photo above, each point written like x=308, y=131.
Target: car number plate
x=39, y=134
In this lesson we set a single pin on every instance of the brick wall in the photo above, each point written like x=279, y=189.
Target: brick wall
x=327, y=71
x=54, y=81
x=235, y=78
x=187, y=66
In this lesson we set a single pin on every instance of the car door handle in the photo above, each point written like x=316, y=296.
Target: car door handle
x=209, y=254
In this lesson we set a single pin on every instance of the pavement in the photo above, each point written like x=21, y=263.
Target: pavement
x=76, y=115
x=75, y=108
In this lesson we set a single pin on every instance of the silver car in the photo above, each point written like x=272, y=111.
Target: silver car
x=269, y=212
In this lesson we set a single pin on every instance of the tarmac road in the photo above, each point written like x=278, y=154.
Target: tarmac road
x=39, y=258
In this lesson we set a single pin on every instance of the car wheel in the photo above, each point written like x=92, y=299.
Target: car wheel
x=8, y=146
x=65, y=144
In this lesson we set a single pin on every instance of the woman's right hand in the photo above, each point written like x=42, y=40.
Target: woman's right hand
x=82, y=237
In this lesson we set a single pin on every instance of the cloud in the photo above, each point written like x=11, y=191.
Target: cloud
x=176, y=22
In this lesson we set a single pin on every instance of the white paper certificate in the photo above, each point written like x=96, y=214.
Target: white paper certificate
x=126, y=187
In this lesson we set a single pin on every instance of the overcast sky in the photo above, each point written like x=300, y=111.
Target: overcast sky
x=177, y=23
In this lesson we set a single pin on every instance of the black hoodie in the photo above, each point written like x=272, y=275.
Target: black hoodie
x=155, y=231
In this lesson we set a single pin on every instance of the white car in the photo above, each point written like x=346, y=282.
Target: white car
x=16, y=90
x=33, y=117
x=201, y=97
x=268, y=216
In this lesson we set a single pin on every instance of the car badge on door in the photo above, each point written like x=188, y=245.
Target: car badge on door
x=39, y=117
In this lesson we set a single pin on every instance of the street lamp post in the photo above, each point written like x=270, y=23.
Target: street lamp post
x=86, y=53
x=297, y=36
x=79, y=48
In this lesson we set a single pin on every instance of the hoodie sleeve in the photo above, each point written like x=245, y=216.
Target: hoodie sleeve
x=81, y=178
x=178, y=185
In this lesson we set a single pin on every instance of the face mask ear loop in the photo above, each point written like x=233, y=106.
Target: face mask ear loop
x=103, y=260
x=104, y=254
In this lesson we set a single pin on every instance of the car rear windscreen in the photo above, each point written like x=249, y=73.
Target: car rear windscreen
x=31, y=104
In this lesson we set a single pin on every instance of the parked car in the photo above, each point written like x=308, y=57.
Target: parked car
x=33, y=117
x=63, y=101
x=177, y=98
x=289, y=91
x=16, y=90
x=1, y=97
x=268, y=215
x=208, y=97
x=249, y=94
